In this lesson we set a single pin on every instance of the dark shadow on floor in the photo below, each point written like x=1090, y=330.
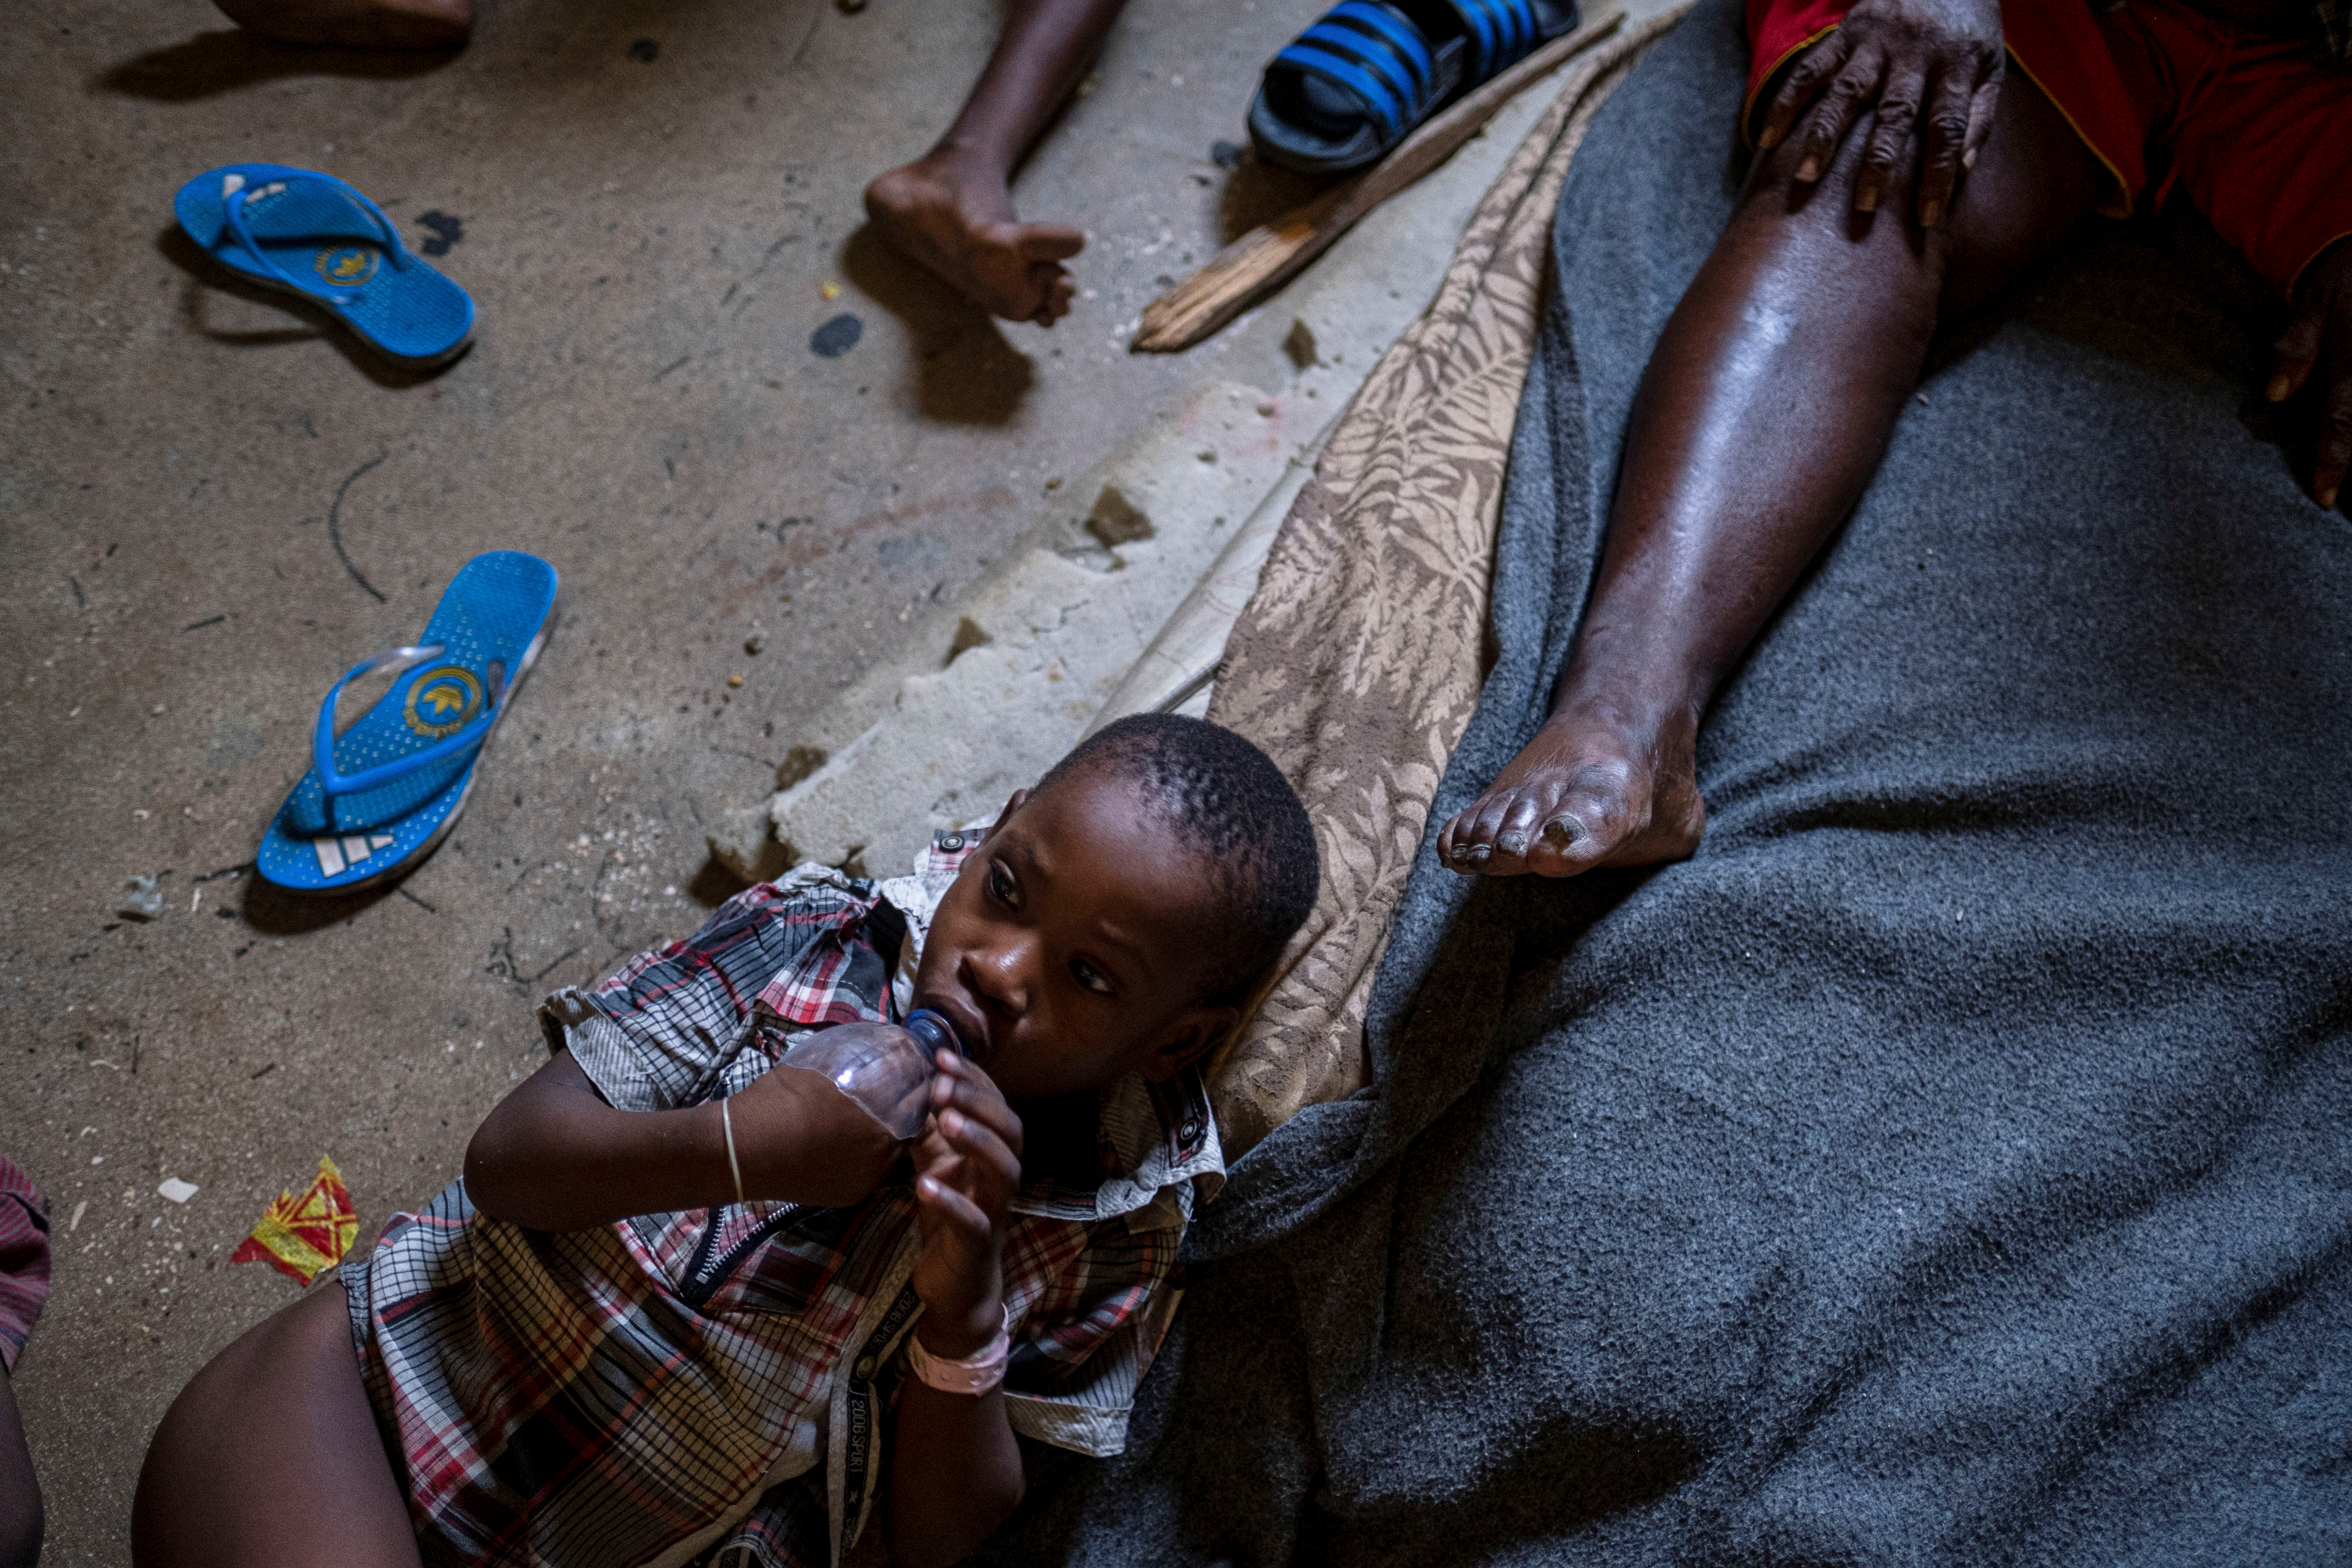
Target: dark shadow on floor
x=220, y=62
x=1260, y=193
x=305, y=320
x=714, y=883
x=271, y=911
x=966, y=373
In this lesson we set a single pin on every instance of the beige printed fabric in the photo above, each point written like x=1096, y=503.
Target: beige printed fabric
x=1359, y=659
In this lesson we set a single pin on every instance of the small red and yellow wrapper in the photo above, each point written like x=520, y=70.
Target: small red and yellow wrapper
x=304, y=1236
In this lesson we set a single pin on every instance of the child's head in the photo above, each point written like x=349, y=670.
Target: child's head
x=1118, y=914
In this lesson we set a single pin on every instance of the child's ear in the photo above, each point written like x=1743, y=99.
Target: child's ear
x=1020, y=799
x=1195, y=1033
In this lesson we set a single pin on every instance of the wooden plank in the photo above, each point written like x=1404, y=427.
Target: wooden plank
x=1271, y=254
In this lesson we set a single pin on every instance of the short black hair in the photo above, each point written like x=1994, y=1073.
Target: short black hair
x=1230, y=804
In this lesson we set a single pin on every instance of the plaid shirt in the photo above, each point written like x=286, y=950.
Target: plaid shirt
x=713, y=1386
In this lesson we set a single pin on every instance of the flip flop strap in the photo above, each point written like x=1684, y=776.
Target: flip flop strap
x=1375, y=53
x=1502, y=33
x=233, y=207
x=322, y=738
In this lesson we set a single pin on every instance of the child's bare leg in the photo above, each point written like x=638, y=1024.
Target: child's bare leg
x=357, y=23
x=951, y=209
x=1764, y=411
x=271, y=1459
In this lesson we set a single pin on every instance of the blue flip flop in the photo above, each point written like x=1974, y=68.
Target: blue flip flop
x=310, y=234
x=1349, y=89
x=380, y=796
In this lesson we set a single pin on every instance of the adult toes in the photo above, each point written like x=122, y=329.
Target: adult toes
x=1515, y=832
x=1566, y=846
x=1468, y=841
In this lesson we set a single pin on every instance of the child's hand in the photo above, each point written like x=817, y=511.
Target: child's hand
x=798, y=1137
x=967, y=1166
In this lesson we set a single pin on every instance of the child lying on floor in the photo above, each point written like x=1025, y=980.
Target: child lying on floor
x=606, y=1346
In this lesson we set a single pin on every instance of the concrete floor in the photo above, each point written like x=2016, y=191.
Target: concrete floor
x=212, y=507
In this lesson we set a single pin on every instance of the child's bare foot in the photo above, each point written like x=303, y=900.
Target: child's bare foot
x=357, y=23
x=1591, y=789
x=958, y=220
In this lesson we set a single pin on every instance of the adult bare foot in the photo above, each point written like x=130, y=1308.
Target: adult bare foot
x=357, y=23
x=1591, y=789
x=957, y=219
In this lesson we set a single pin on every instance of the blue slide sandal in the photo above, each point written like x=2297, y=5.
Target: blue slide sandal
x=310, y=234
x=1349, y=89
x=411, y=758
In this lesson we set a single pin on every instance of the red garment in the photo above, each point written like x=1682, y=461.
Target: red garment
x=2257, y=131
x=23, y=1258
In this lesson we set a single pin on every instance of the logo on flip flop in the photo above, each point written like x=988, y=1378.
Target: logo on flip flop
x=347, y=264
x=443, y=699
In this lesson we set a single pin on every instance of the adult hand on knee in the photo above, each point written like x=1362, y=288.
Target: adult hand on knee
x=1926, y=75
x=2317, y=347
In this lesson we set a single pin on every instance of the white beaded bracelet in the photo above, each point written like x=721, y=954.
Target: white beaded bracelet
x=974, y=1374
x=727, y=1121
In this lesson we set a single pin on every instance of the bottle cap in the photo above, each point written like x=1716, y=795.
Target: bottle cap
x=934, y=1030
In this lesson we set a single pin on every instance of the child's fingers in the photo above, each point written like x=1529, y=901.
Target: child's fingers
x=951, y=1217
x=985, y=1155
x=986, y=1107
x=968, y=1088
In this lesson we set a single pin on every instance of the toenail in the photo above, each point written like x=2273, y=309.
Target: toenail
x=1477, y=855
x=1560, y=830
x=1512, y=843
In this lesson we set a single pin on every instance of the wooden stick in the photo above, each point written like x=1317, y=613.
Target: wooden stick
x=1271, y=254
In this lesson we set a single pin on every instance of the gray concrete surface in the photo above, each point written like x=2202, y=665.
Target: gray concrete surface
x=209, y=507
x=995, y=682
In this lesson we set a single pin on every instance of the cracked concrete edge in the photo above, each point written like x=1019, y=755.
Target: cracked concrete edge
x=1175, y=672
x=1045, y=637
x=995, y=683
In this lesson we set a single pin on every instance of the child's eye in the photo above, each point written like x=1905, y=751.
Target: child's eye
x=1001, y=886
x=1089, y=976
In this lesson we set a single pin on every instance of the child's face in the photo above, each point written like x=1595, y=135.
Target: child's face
x=1068, y=950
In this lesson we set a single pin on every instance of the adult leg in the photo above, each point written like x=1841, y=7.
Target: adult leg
x=1764, y=411
x=951, y=209
x=271, y=1458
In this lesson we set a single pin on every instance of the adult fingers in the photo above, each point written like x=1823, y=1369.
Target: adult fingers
x=1943, y=140
x=1841, y=107
x=2334, y=424
x=1803, y=85
x=1890, y=146
x=2295, y=351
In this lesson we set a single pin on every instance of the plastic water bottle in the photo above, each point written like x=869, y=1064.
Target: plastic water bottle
x=886, y=1070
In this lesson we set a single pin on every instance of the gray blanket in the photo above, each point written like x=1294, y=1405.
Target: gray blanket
x=1952, y=1162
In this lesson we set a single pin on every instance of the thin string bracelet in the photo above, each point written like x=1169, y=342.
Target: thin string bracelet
x=727, y=1121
